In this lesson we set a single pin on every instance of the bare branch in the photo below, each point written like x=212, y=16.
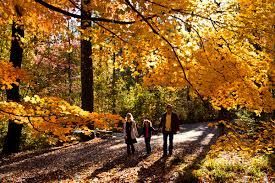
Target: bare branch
x=71, y=1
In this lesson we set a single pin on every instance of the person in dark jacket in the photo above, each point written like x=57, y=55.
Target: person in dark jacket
x=130, y=133
x=147, y=133
x=169, y=124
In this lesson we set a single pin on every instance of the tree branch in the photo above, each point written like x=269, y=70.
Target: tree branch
x=182, y=11
x=113, y=33
x=26, y=116
x=168, y=42
x=95, y=19
x=202, y=44
x=71, y=1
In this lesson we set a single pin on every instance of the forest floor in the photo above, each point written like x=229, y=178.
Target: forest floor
x=106, y=160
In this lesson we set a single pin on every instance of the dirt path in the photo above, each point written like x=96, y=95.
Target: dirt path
x=106, y=160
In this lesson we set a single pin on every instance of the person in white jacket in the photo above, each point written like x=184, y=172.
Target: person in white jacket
x=130, y=133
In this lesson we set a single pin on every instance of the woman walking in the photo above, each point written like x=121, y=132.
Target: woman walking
x=130, y=133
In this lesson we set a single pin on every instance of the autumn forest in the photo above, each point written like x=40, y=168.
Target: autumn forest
x=73, y=73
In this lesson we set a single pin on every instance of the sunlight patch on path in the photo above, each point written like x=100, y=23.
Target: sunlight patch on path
x=200, y=133
x=190, y=135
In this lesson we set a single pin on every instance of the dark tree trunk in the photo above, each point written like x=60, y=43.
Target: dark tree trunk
x=114, y=86
x=12, y=140
x=87, y=89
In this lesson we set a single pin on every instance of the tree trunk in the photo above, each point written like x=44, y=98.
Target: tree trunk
x=87, y=88
x=114, y=85
x=12, y=140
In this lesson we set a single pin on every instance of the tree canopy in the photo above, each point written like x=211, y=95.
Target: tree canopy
x=222, y=50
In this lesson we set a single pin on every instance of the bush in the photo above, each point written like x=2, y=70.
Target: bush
x=31, y=140
x=229, y=167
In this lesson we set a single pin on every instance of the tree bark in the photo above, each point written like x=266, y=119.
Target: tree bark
x=12, y=140
x=87, y=88
x=114, y=85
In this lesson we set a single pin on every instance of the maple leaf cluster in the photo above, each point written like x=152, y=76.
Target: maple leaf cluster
x=10, y=75
x=54, y=116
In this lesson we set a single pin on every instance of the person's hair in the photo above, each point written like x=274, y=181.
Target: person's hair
x=131, y=116
x=169, y=106
x=146, y=120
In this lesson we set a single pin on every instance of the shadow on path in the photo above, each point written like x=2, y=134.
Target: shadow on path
x=58, y=164
x=187, y=175
x=93, y=158
x=8, y=159
x=158, y=170
x=122, y=162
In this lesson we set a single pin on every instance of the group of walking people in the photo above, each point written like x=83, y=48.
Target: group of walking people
x=169, y=125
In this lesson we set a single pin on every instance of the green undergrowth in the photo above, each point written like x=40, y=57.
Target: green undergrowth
x=233, y=167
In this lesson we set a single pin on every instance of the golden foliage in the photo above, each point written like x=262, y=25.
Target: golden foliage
x=10, y=75
x=247, y=137
x=53, y=115
x=223, y=49
x=227, y=55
